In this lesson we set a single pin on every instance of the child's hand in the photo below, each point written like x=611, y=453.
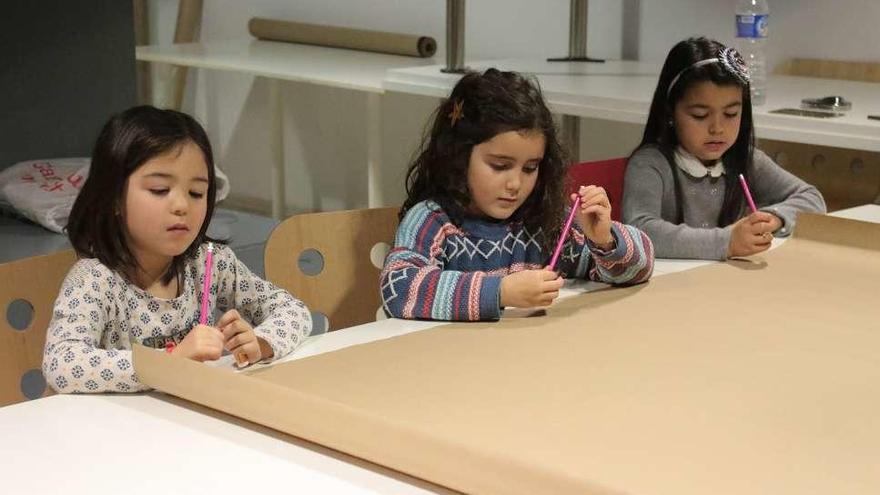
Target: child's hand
x=752, y=234
x=240, y=339
x=530, y=288
x=594, y=216
x=202, y=343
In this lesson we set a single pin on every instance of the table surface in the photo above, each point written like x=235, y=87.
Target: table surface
x=152, y=443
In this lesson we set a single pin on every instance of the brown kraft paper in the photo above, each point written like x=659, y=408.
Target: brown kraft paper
x=755, y=376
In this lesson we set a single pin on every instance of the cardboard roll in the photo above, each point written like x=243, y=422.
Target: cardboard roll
x=341, y=37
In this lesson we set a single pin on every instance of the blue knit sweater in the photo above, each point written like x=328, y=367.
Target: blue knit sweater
x=437, y=270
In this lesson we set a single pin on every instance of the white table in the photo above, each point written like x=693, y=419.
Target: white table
x=151, y=443
x=621, y=91
x=276, y=62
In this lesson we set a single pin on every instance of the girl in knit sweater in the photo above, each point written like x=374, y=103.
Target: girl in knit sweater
x=139, y=228
x=485, y=206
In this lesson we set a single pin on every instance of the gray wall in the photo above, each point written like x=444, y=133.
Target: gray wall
x=65, y=67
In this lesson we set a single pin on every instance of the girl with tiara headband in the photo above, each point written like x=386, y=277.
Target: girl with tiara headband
x=485, y=206
x=681, y=184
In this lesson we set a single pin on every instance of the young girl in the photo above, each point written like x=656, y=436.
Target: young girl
x=138, y=227
x=485, y=207
x=682, y=182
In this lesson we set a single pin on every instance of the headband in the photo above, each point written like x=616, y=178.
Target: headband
x=729, y=58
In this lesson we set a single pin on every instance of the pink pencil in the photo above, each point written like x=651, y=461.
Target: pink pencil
x=745, y=186
x=564, y=234
x=206, y=288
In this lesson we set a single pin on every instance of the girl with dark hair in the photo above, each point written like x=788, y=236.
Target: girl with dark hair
x=484, y=209
x=139, y=228
x=681, y=183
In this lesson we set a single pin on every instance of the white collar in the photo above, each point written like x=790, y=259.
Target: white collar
x=694, y=167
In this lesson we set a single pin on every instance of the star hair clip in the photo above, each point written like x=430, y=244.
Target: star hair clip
x=457, y=112
x=734, y=63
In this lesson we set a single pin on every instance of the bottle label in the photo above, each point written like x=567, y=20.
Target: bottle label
x=751, y=25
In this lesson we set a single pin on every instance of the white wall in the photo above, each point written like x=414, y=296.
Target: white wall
x=325, y=142
x=838, y=29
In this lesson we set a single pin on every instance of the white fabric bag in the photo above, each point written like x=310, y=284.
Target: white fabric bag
x=43, y=191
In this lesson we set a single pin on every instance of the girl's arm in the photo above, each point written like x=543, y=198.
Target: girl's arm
x=781, y=193
x=413, y=283
x=278, y=318
x=648, y=192
x=629, y=261
x=73, y=362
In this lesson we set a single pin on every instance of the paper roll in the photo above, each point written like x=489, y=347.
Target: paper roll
x=341, y=37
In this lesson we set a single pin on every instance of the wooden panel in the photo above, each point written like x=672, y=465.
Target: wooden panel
x=831, y=69
x=846, y=178
x=347, y=289
x=35, y=280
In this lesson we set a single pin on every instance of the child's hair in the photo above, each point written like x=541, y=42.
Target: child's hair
x=96, y=226
x=690, y=61
x=480, y=107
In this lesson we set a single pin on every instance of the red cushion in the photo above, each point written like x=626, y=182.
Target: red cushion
x=605, y=173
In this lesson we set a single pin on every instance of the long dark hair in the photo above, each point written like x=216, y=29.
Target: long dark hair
x=127, y=141
x=491, y=103
x=660, y=130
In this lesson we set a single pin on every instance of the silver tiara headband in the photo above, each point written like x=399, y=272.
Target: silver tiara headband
x=729, y=58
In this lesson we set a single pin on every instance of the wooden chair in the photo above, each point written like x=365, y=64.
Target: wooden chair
x=28, y=288
x=606, y=173
x=845, y=177
x=331, y=261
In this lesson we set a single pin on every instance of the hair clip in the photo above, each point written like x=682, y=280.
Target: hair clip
x=734, y=63
x=457, y=112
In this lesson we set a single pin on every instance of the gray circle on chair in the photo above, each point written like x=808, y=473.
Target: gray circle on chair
x=378, y=253
x=20, y=314
x=310, y=262
x=33, y=384
x=320, y=323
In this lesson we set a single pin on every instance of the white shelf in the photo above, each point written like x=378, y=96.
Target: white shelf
x=333, y=67
x=621, y=91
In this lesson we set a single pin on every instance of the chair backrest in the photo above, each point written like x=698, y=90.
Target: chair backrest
x=606, y=173
x=331, y=261
x=28, y=288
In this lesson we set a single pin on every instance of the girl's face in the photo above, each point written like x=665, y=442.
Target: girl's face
x=165, y=204
x=707, y=119
x=502, y=172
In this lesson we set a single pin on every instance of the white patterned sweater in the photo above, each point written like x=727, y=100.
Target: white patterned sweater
x=99, y=314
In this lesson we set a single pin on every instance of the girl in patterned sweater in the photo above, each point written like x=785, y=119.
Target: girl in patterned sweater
x=485, y=207
x=139, y=228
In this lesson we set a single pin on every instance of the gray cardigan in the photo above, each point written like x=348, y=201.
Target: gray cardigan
x=649, y=204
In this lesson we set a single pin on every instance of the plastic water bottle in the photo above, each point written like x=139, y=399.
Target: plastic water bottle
x=751, y=33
